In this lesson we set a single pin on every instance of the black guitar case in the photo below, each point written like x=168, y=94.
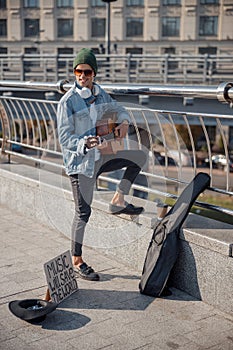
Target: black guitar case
x=164, y=246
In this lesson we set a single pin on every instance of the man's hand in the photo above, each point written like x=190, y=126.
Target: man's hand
x=102, y=145
x=122, y=129
x=91, y=141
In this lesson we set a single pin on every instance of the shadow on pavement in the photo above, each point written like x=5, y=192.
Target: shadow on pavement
x=116, y=299
x=107, y=277
x=63, y=320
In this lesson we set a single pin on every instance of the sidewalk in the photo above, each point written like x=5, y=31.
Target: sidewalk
x=109, y=314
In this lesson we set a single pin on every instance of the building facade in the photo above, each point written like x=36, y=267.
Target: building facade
x=153, y=27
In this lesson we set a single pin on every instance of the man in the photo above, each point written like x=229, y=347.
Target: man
x=78, y=111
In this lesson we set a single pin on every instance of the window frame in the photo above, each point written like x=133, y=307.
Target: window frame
x=131, y=26
x=3, y=28
x=3, y=4
x=102, y=27
x=30, y=50
x=62, y=5
x=3, y=50
x=137, y=3
x=31, y=3
x=175, y=20
x=35, y=23
x=209, y=2
x=97, y=3
x=171, y=3
x=213, y=21
x=69, y=21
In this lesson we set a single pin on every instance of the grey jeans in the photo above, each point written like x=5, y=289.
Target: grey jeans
x=83, y=188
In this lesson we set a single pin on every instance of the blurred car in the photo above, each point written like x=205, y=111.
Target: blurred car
x=173, y=158
x=160, y=159
x=220, y=161
x=180, y=157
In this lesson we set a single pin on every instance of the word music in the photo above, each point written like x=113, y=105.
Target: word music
x=60, y=277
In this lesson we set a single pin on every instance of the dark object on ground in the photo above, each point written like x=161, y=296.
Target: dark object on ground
x=164, y=246
x=31, y=310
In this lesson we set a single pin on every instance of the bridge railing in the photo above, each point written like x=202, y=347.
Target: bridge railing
x=152, y=69
x=178, y=144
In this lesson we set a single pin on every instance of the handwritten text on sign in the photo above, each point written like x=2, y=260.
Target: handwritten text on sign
x=60, y=277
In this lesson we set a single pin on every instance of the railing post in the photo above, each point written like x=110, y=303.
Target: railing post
x=56, y=68
x=128, y=67
x=205, y=68
x=22, y=72
x=165, y=72
x=45, y=69
x=67, y=67
x=185, y=71
x=210, y=71
x=1, y=69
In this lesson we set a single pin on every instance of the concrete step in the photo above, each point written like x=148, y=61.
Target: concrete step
x=204, y=268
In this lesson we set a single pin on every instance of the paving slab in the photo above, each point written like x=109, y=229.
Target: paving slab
x=109, y=314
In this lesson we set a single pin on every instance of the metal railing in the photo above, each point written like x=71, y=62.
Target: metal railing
x=28, y=130
x=115, y=68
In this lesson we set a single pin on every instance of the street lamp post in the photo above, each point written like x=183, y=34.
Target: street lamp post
x=107, y=32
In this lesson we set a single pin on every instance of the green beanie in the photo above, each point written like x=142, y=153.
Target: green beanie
x=86, y=56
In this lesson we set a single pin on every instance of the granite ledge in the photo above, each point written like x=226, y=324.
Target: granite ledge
x=218, y=240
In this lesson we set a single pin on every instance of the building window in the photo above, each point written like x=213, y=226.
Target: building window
x=4, y=63
x=170, y=26
x=31, y=27
x=2, y=4
x=209, y=2
x=134, y=27
x=3, y=50
x=170, y=51
x=65, y=51
x=62, y=53
x=207, y=51
x=65, y=3
x=171, y=2
x=3, y=27
x=135, y=3
x=208, y=25
x=30, y=50
x=97, y=3
x=65, y=27
x=28, y=63
x=31, y=3
x=134, y=51
x=98, y=27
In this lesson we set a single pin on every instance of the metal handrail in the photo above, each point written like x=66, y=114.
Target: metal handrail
x=223, y=92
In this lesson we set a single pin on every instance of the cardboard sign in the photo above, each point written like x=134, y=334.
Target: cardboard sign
x=60, y=277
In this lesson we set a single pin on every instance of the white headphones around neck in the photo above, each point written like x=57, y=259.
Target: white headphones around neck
x=86, y=93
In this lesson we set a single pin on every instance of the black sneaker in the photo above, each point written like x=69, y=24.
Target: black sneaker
x=129, y=209
x=86, y=272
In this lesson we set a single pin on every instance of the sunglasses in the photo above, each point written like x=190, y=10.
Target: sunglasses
x=86, y=72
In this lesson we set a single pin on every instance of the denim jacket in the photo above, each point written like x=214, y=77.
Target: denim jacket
x=74, y=123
